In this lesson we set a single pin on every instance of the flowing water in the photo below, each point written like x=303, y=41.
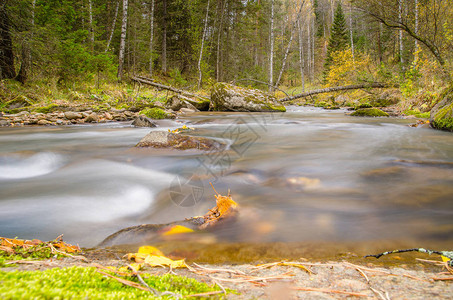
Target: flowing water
x=307, y=175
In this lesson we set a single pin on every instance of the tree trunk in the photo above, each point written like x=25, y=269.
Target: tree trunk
x=400, y=32
x=90, y=22
x=151, y=17
x=122, y=41
x=164, y=37
x=351, y=31
x=202, y=45
x=335, y=89
x=285, y=57
x=113, y=26
x=309, y=65
x=416, y=31
x=6, y=46
x=301, y=55
x=271, y=54
x=219, y=35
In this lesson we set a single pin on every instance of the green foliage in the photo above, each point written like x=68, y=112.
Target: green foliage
x=154, y=113
x=46, y=109
x=338, y=38
x=176, y=78
x=87, y=283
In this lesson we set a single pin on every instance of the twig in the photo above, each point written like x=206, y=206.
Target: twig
x=219, y=270
x=140, y=279
x=442, y=278
x=251, y=279
x=32, y=262
x=124, y=281
x=329, y=291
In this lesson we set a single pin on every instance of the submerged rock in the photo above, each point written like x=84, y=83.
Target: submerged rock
x=441, y=116
x=143, y=121
x=227, y=97
x=369, y=112
x=164, y=139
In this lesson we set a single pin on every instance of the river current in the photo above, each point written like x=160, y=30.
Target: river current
x=304, y=175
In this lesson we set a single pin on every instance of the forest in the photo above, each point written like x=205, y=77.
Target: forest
x=84, y=45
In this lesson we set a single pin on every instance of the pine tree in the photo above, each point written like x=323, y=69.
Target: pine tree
x=338, y=37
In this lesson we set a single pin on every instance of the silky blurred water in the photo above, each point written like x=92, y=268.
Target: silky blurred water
x=304, y=175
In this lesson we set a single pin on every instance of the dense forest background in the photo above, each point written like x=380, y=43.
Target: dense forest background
x=87, y=44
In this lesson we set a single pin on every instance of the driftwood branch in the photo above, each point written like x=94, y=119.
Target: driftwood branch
x=262, y=82
x=337, y=88
x=149, y=81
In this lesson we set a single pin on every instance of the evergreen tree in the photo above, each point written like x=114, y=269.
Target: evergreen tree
x=338, y=37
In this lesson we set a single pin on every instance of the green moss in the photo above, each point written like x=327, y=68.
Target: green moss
x=154, y=113
x=444, y=118
x=363, y=105
x=87, y=283
x=416, y=112
x=46, y=109
x=369, y=112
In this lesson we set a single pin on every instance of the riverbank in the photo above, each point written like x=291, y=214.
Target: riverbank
x=304, y=279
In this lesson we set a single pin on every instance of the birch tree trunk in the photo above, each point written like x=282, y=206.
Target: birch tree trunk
x=285, y=57
x=271, y=50
x=109, y=41
x=151, y=39
x=122, y=41
x=309, y=64
x=301, y=55
x=202, y=45
x=416, y=32
x=400, y=31
x=90, y=23
x=351, y=31
x=164, y=38
x=219, y=35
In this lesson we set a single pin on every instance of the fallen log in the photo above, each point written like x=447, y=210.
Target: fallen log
x=148, y=81
x=338, y=88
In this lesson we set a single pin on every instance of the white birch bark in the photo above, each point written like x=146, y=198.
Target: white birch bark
x=301, y=56
x=90, y=23
x=122, y=40
x=113, y=26
x=309, y=65
x=351, y=32
x=219, y=35
x=285, y=57
x=271, y=50
x=202, y=45
x=151, y=40
x=400, y=31
x=416, y=31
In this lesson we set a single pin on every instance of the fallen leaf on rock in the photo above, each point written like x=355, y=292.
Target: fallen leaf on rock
x=176, y=229
x=156, y=261
x=154, y=258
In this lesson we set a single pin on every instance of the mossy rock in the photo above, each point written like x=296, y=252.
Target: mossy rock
x=227, y=97
x=441, y=116
x=46, y=109
x=369, y=112
x=18, y=102
x=155, y=113
x=363, y=105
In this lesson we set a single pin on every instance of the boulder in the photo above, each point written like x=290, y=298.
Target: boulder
x=178, y=101
x=227, y=97
x=143, y=121
x=441, y=116
x=44, y=122
x=165, y=139
x=369, y=112
x=92, y=118
x=70, y=115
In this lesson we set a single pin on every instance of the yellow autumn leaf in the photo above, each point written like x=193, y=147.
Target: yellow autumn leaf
x=137, y=257
x=444, y=258
x=177, y=229
x=150, y=250
x=157, y=260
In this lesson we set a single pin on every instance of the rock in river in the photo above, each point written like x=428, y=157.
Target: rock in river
x=227, y=97
x=180, y=141
x=441, y=116
x=143, y=121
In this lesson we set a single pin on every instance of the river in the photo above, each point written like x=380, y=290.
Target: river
x=305, y=175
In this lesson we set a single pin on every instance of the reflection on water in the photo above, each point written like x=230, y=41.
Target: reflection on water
x=305, y=175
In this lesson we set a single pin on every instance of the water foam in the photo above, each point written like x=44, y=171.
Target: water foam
x=17, y=167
